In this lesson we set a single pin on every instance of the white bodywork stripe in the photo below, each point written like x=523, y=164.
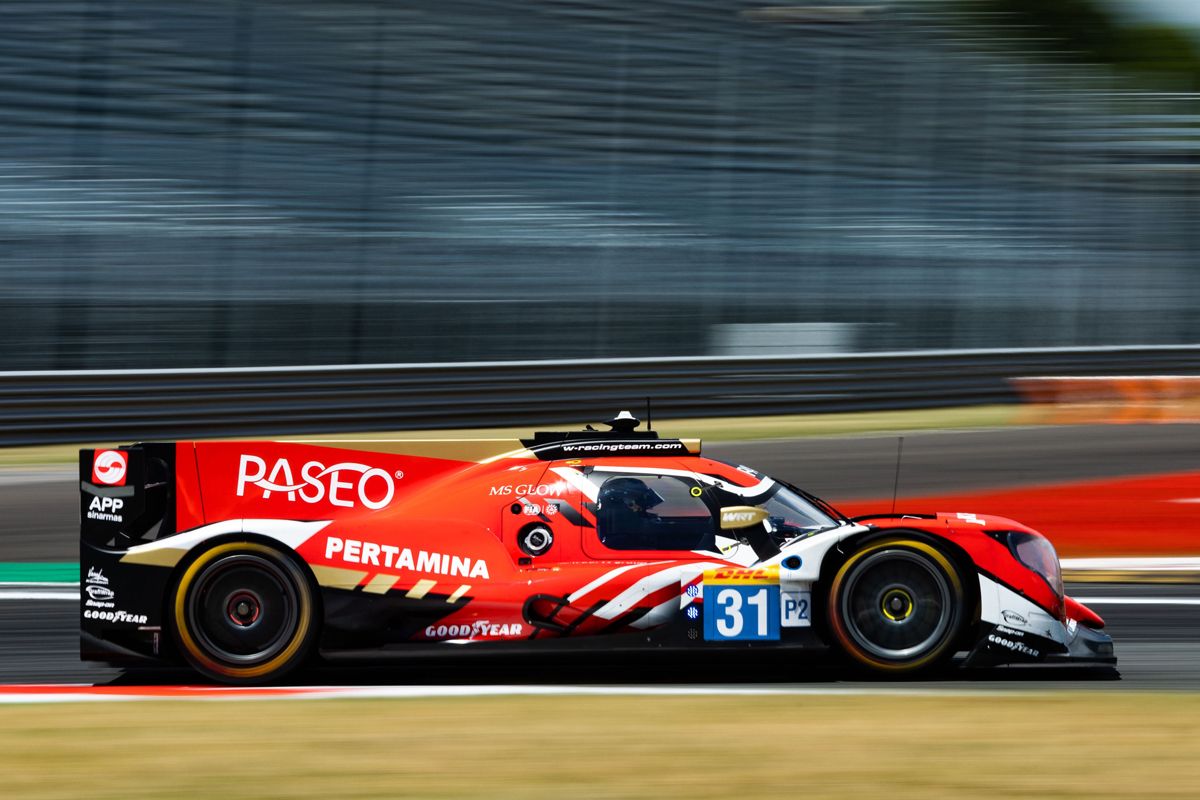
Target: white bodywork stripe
x=741, y=491
x=658, y=615
x=285, y=531
x=996, y=598
x=650, y=584
x=603, y=579
x=576, y=479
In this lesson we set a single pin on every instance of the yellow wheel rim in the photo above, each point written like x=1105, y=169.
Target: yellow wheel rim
x=197, y=653
x=839, y=627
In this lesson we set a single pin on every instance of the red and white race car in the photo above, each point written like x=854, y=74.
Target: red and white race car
x=245, y=559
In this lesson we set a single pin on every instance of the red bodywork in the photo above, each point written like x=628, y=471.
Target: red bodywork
x=439, y=527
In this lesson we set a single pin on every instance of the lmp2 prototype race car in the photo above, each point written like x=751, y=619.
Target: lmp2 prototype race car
x=245, y=559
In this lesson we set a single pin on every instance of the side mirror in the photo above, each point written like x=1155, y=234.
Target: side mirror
x=735, y=517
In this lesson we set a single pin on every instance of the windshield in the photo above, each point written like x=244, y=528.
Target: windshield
x=793, y=514
x=792, y=511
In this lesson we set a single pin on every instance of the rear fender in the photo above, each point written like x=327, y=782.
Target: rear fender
x=171, y=585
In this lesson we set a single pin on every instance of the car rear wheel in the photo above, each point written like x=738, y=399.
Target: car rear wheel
x=244, y=613
x=897, y=606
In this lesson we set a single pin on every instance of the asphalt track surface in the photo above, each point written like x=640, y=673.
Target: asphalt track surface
x=1158, y=643
x=1158, y=647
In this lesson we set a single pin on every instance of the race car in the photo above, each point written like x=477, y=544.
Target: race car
x=246, y=559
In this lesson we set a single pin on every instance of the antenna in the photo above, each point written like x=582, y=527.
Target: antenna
x=649, y=419
x=896, y=482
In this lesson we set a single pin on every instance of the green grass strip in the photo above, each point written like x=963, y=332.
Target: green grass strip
x=39, y=572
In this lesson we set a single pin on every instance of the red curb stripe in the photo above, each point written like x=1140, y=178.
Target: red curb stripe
x=156, y=691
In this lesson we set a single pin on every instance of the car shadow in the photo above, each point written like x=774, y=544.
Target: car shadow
x=643, y=668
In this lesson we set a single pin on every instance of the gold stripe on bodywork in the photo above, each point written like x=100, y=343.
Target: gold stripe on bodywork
x=337, y=577
x=159, y=557
x=476, y=450
x=522, y=452
x=420, y=590
x=381, y=583
x=459, y=592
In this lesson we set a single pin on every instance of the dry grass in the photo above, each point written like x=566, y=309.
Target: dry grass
x=713, y=430
x=1048, y=746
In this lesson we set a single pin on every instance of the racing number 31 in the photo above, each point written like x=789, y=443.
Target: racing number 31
x=742, y=613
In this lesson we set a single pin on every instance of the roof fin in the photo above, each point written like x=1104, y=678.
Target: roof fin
x=623, y=422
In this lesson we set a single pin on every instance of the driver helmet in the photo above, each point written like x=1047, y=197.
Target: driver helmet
x=632, y=493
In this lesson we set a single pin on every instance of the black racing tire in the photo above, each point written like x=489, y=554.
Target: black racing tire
x=897, y=607
x=244, y=613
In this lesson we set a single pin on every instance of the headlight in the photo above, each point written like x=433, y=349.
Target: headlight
x=1039, y=555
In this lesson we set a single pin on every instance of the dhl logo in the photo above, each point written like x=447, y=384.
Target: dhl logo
x=739, y=576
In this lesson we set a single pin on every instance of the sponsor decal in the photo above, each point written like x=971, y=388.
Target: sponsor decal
x=1013, y=618
x=528, y=489
x=99, y=596
x=1016, y=647
x=693, y=590
x=479, y=628
x=106, y=509
x=736, y=517
x=622, y=447
x=354, y=551
x=692, y=612
x=532, y=509
x=551, y=509
x=971, y=518
x=371, y=487
x=796, y=609
x=109, y=467
x=96, y=576
x=115, y=616
x=738, y=575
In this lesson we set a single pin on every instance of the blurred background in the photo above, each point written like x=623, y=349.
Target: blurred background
x=858, y=197
x=261, y=182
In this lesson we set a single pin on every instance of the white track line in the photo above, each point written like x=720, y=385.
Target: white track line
x=1153, y=564
x=72, y=595
x=86, y=694
x=28, y=594
x=1139, y=601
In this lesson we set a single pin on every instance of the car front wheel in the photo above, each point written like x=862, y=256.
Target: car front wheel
x=897, y=606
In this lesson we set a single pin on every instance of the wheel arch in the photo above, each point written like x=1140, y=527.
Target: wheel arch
x=962, y=561
x=170, y=630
